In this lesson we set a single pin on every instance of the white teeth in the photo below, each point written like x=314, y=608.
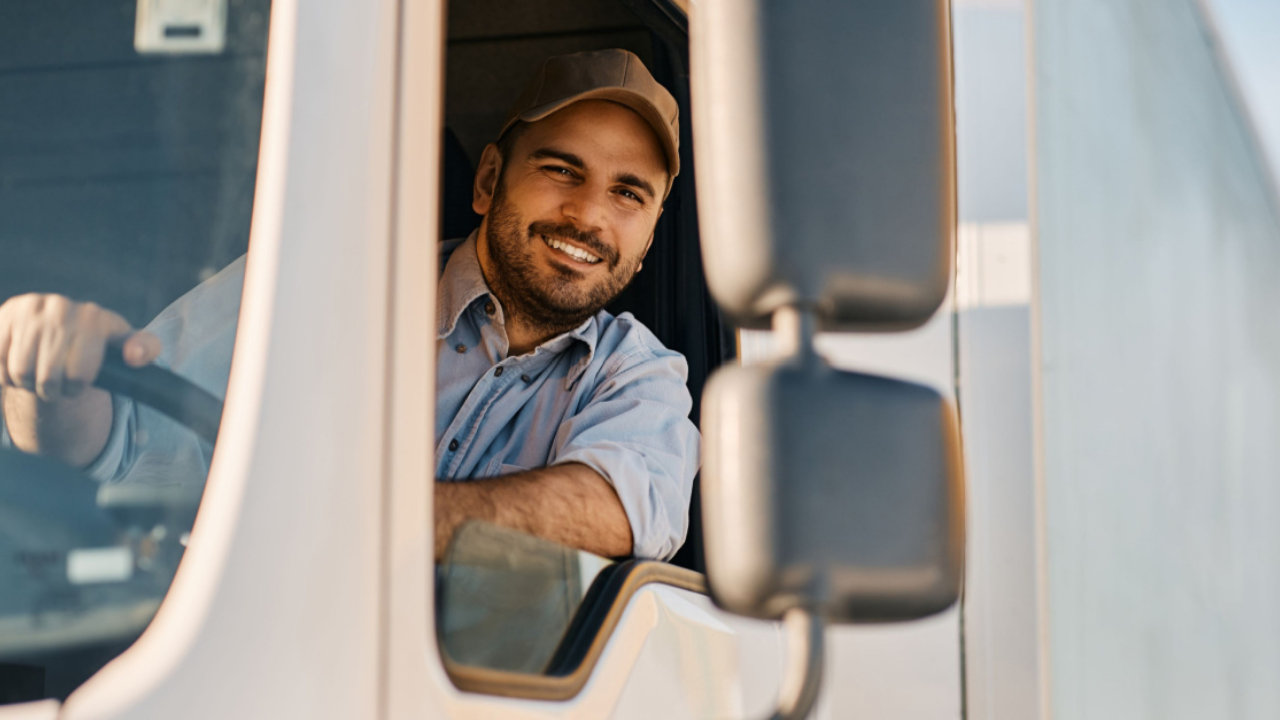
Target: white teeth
x=571, y=251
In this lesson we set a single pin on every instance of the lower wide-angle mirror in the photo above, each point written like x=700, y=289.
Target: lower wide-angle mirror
x=837, y=492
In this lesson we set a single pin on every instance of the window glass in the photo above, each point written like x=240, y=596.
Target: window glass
x=506, y=599
x=128, y=153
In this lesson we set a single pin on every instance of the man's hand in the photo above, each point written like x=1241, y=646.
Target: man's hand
x=570, y=504
x=51, y=350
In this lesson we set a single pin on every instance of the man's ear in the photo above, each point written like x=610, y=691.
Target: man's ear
x=486, y=183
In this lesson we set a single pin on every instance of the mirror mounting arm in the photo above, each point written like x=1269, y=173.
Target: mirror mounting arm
x=803, y=674
x=796, y=328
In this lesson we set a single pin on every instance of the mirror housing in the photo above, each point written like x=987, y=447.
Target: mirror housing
x=834, y=491
x=825, y=144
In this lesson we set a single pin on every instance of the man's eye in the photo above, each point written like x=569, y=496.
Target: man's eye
x=630, y=195
x=559, y=170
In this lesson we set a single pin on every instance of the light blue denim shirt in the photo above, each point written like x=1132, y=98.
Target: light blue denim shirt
x=607, y=395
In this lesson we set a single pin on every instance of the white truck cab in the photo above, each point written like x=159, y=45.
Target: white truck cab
x=149, y=145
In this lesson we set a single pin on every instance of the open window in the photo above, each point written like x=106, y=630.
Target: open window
x=545, y=648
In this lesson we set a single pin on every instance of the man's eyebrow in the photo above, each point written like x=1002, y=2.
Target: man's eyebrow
x=637, y=182
x=552, y=153
x=625, y=178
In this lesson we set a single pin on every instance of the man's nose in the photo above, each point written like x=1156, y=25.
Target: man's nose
x=585, y=205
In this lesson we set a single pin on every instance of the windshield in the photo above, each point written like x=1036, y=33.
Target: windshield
x=128, y=153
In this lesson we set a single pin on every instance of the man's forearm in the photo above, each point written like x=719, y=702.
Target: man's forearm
x=570, y=504
x=73, y=430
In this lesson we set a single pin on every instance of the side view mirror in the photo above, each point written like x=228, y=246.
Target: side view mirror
x=828, y=496
x=825, y=142
x=837, y=492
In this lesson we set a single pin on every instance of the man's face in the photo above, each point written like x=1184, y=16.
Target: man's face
x=571, y=213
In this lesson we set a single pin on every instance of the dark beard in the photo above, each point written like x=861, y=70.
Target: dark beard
x=553, y=303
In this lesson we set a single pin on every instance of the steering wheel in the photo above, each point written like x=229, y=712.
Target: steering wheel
x=152, y=385
x=165, y=392
x=53, y=519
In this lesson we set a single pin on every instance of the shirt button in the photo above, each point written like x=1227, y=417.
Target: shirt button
x=498, y=372
x=489, y=308
x=461, y=348
x=526, y=378
x=453, y=444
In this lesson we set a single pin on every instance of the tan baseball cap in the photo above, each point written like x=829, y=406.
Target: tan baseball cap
x=616, y=75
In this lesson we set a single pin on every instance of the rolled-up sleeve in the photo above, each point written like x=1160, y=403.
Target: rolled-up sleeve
x=120, y=452
x=635, y=431
x=117, y=456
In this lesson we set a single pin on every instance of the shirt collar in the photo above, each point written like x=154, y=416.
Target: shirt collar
x=462, y=285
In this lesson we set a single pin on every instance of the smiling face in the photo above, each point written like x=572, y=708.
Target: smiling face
x=569, y=214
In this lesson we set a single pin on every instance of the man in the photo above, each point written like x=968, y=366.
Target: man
x=567, y=423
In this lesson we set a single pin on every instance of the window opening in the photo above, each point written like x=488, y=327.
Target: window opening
x=512, y=603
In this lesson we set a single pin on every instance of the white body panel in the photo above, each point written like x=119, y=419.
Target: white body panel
x=38, y=710
x=1158, y=232
x=1122, y=544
